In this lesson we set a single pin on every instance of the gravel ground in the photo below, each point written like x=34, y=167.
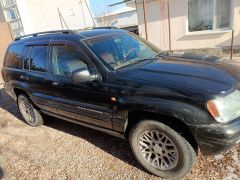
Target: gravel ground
x=61, y=150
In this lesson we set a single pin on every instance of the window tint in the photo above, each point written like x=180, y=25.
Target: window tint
x=66, y=59
x=39, y=56
x=14, y=56
x=27, y=57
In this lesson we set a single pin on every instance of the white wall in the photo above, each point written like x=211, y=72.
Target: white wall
x=42, y=15
x=180, y=39
x=119, y=20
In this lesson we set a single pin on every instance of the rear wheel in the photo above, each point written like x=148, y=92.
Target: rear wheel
x=161, y=150
x=29, y=113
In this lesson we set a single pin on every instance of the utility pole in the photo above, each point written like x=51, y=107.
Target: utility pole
x=169, y=27
x=232, y=43
x=145, y=18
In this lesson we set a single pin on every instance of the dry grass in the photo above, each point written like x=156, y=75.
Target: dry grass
x=61, y=150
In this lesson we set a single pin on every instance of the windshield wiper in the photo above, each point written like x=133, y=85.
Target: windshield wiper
x=163, y=53
x=136, y=61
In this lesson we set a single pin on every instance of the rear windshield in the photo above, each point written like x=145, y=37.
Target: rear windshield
x=14, y=56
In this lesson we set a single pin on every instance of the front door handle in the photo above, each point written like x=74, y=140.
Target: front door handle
x=55, y=84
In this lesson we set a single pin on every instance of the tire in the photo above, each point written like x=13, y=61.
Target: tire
x=28, y=111
x=155, y=145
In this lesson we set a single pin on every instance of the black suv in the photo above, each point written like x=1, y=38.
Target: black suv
x=116, y=82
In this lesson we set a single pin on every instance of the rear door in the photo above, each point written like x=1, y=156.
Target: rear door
x=88, y=102
x=36, y=74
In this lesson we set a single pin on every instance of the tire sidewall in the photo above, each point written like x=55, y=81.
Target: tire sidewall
x=37, y=117
x=184, y=159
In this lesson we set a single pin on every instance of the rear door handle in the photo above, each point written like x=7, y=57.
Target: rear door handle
x=24, y=78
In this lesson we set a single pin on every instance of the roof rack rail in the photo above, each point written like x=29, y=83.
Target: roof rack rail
x=105, y=27
x=44, y=33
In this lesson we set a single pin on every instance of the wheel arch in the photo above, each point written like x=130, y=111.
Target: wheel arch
x=18, y=91
x=175, y=123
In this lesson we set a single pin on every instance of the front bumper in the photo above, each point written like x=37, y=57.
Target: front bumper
x=218, y=138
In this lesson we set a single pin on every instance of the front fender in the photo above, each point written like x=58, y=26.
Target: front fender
x=189, y=114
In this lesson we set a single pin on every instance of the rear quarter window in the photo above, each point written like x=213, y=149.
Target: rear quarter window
x=13, y=58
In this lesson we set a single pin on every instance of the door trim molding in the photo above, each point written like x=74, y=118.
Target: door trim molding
x=108, y=131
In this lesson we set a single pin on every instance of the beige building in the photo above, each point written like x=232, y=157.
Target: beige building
x=5, y=39
x=190, y=24
x=125, y=18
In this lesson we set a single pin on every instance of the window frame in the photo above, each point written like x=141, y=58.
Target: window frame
x=66, y=43
x=4, y=4
x=24, y=55
x=214, y=30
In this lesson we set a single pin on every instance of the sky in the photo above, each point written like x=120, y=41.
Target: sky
x=98, y=7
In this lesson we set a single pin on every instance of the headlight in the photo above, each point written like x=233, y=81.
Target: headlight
x=225, y=109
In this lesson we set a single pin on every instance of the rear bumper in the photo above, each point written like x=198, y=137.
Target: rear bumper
x=218, y=138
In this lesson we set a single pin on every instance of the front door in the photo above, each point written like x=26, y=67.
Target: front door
x=89, y=102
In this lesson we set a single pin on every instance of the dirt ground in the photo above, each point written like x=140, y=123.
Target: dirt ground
x=61, y=150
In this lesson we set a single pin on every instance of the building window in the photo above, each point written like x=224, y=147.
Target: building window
x=7, y=2
x=206, y=15
x=12, y=14
x=16, y=25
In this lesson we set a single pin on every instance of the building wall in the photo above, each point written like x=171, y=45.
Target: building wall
x=42, y=15
x=180, y=39
x=119, y=20
x=157, y=23
x=6, y=38
x=12, y=18
x=2, y=18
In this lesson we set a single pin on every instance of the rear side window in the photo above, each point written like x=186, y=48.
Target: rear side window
x=14, y=56
x=39, y=58
x=36, y=58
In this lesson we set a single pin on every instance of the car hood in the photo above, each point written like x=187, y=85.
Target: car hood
x=210, y=78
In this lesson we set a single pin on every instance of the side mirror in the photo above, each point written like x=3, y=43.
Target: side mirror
x=84, y=75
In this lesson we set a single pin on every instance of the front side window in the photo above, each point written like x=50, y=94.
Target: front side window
x=209, y=15
x=121, y=50
x=14, y=56
x=66, y=59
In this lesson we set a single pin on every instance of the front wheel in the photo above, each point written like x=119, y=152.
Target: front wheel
x=161, y=150
x=28, y=111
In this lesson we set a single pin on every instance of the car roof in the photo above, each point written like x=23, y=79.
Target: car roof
x=99, y=32
x=65, y=34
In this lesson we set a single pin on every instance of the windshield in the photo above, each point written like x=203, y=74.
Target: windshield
x=121, y=50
